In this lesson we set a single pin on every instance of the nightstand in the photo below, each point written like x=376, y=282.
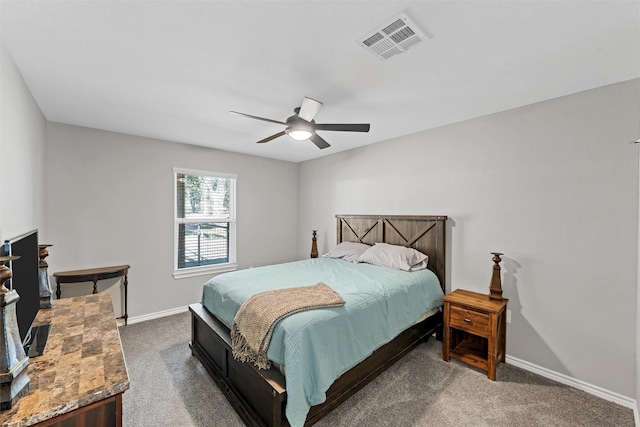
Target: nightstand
x=475, y=330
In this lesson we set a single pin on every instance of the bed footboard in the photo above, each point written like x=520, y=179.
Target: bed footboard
x=259, y=396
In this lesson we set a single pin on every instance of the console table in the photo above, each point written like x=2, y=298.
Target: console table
x=94, y=275
x=80, y=378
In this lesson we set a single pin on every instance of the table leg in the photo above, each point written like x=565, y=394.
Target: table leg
x=58, y=291
x=503, y=336
x=446, y=339
x=126, y=283
x=492, y=356
x=95, y=285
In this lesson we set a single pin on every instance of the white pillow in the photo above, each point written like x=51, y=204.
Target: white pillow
x=394, y=256
x=348, y=251
x=420, y=266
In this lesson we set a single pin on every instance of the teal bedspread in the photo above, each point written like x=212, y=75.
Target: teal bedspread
x=317, y=346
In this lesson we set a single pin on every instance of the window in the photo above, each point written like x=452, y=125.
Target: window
x=204, y=222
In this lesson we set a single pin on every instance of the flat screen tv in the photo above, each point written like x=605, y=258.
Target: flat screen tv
x=25, y=280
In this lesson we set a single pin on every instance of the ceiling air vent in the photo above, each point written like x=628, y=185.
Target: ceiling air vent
x=392, y=38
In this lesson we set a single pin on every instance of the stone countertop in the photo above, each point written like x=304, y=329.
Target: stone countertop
x=82, y=362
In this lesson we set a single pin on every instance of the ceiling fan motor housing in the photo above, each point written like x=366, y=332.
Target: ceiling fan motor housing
x=299, y=126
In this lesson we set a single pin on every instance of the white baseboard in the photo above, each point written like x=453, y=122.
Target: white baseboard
x=157, y=315
x=621, y=400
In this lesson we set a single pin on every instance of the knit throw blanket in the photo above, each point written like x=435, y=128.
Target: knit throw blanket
x=253, y=324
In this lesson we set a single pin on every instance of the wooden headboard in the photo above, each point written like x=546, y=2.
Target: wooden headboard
x=423, y=233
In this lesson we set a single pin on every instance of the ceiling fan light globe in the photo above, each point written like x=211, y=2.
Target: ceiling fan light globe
x=300, y=135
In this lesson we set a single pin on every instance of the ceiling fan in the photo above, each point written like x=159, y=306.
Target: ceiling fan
x=301, y=125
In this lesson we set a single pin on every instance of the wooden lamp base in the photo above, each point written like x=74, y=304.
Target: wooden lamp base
x=495, y=288
x=314, y=245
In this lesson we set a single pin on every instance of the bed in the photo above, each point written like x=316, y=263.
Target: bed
x=260, y=396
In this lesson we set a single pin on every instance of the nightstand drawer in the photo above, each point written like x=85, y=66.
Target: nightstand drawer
x=469, y=320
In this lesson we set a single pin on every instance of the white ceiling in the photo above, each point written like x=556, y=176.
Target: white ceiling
x=173, y=69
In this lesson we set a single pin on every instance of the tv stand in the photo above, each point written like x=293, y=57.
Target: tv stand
x=80, y=377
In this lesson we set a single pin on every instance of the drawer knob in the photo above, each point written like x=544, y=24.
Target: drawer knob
x=467, y=320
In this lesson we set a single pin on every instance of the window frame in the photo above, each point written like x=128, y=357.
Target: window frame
x=231, y=265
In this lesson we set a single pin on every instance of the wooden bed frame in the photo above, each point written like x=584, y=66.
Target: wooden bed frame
x=259, y=396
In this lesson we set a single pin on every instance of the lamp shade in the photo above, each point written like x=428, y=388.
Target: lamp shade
x=300, y=135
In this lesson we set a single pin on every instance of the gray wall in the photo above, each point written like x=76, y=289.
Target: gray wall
x=22, y=154
x=110, y=202
x=553, y=185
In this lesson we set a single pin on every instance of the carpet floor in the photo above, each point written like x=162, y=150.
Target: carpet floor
x=169, y=387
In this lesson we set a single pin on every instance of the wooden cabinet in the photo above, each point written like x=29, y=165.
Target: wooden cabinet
x=475, y=330
x=104, y=413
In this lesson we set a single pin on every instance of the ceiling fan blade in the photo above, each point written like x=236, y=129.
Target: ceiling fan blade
x=258, y=118
x=344, y=127
x=269, y=138
x=309, y=109
x=321, y=143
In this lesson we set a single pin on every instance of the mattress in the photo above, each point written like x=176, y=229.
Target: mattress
x=317, y=346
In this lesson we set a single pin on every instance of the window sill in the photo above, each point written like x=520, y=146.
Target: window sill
x=202, y=271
